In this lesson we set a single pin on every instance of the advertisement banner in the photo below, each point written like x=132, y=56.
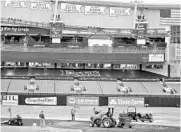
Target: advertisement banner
x=141, y=27
x=9, y=99
x=94, y=10
x=40, y=5
x=156, y=57
x=117, y=11
x=84, y=101
x=16, y=3
x=41, y=101
x=125, y=101
x=56, y=30
x=14, y=29
x=177, y=52
x=74, y=8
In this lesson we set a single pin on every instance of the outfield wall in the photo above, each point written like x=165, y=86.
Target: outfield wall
x=89, y=100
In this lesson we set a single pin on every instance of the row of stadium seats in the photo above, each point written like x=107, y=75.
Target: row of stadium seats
x=92, y=87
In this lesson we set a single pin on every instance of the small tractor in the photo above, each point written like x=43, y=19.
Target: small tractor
x=135, y=116
x=105, y=119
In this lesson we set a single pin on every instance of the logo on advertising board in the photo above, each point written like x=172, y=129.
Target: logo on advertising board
x=156, y=57
x=9, y=99
x=41, y=101
x=86, y=101
x=125, y=101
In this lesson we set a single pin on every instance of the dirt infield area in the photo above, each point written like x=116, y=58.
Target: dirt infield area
x=69, y=126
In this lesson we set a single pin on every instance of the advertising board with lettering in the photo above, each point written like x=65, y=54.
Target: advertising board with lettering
x=156, y=57
x=40, y=5
x=82, y=101
x=74, y=8
x=117, y=11
x=9, y=99
x=41, y=101
x=94, y=10
x=125, y=101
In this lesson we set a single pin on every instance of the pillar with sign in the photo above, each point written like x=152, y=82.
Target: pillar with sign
x=141, y=31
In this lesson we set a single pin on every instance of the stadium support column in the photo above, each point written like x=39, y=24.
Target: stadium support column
x=135, y=14
x=167, y=58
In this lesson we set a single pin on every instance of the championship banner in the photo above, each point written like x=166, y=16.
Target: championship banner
x=177, y=52
x=83, y=101
x=66, y=7
x=156, y=57
x=94, y=10
x=9, y=99
x=125, y=101
x=39, y=5
x=16, y=3
x=41, y=101
x=117, y=11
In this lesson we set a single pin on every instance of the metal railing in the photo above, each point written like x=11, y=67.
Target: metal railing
x=97, y=49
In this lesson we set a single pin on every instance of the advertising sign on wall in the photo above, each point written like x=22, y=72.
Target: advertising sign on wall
x=117, y=11
x=177, y=52
x=94, y=10
x=84, y=101
x=16, y=3
x=41, y=101
x=40, y=5
x=9, y=99
x=56, y=30
x=141, y=27
x=125, y=101
x=66, y=7
x=156, y=57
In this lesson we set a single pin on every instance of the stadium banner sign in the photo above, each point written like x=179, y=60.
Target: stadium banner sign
x=70, y=8
x=125, y=101
x=141, y=27
x=41, y=101
x=156, y=57
x=82, y=101
x=9, y=99
x=94, y=10
x=56, y=30
x=177, y=52
x=40, y=5
x=16, y=3
x=117, y=11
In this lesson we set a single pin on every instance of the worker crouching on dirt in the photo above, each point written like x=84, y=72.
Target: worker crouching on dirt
x=73, y=111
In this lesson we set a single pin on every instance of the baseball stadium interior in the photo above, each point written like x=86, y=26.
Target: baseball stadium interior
x=97, y=53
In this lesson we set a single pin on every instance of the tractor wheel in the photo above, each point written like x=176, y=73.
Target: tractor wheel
x=107, y=123
x=91, y=124
x=98, y=122
x=113, y=124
